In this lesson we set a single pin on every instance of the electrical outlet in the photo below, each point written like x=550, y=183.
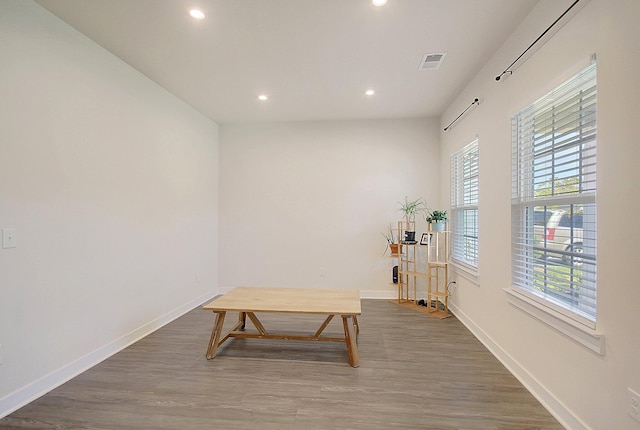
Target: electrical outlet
x=8, y=238
x=323, y=271
x=634, y=404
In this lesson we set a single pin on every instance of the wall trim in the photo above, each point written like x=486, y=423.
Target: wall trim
x=539, y=391
x=378, y=294
x=570, y=328
x=42, y=386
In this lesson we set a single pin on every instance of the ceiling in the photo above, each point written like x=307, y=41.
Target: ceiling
x=313, y=58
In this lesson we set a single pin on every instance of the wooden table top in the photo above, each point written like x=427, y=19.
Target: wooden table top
x=292, y=300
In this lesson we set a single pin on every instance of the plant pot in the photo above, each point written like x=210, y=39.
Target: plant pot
x=394, y=248
x=438, y=226
x=409, y=236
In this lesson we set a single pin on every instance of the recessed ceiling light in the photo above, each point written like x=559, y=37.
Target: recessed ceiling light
x=262, y=97
x=379, y=2
x=369, y=92
x=197, y=14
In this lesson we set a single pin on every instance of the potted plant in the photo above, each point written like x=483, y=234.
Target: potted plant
x=437, y=219
x=392, y=242
x=410, y=208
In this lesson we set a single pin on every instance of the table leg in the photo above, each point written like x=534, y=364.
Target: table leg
x=350, y=340
x=256, y=322
x=323, y=326
x=242, y=320
x=215, y=335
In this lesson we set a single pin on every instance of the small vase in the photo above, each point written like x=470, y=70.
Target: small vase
x=438, y=226
x=409, y=236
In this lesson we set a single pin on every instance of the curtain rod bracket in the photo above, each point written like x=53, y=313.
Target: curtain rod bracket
x=504, y=73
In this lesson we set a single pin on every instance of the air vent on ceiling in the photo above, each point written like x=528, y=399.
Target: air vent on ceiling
x=432, y=61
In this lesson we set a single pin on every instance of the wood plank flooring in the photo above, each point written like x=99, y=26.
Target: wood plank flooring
x=416, y=372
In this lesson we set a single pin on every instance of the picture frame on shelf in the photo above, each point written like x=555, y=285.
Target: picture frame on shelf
x=425, y=239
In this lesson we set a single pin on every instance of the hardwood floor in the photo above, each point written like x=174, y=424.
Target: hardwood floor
x=416, y=372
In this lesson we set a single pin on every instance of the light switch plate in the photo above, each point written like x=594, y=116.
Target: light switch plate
x=8, y=238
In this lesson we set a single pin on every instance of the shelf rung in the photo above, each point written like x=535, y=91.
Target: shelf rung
x=411, y=273
x=437, y=263
x=439, y=295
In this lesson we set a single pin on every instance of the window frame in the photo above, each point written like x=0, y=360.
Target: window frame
x=465, y=197
x=525, y=173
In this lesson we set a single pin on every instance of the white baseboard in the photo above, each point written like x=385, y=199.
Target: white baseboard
x=378, y=294
x=40, y=387
x=546, y=398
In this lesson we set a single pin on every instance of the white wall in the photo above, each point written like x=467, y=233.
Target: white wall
x=299, y=197
x=111, y=184
x=583, y=389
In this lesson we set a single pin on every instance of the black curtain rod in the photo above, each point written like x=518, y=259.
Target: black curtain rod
x=535, y=41
x=474, y=102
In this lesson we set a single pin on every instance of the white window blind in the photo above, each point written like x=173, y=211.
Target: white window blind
x=553, y=198
x=464, y=205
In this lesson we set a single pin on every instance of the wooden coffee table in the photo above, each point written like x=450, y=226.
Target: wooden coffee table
x=247, y=301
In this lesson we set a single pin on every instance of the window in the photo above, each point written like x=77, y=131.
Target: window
x=464, y=206
x=553, y=199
